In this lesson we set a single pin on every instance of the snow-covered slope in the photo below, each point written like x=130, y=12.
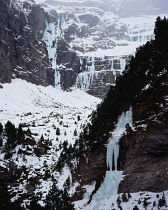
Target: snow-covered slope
x=140, y=200
x=42, y=110
x=24, y=102
x=103, y=41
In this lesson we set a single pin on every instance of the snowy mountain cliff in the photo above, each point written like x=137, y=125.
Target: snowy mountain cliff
x=73, y=43
x=62, y=146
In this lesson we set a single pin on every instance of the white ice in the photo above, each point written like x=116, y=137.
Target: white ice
x=113, y=142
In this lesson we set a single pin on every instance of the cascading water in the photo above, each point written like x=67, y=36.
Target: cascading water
x=117, y=5
x=97, y=65
x=122, y=64
x=141, y=33
x=85, y=79
x=57, y=73
x=113, y=142
x=50, y=37
x=112, y=179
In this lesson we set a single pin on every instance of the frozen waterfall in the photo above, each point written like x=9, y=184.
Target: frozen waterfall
x=113, y=146
x=112, y=178
x=85, y=79
x=50, y=36
x=50, y=39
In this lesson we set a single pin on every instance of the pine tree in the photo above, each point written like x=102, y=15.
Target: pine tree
x=58, y=199
x=59, y=165
x=135, y=208
x=124, y=197
x=145, y=203
x=34, y=204
x=5, y=198
x=1, y=131
x=75, y=132
x=1, y=128
x=42, y=138
x=118, y=200
x=53, y=200
x=20, y=134
x=154, y=203
x=161, y=30
x=162, y=201
x=78, y=118
x=28, y=132
x=67, y=204
x=10, y=131
x=57, y=131
x=67, y=183
x=164, y=198
x=47, y=143
x=128, y=128
x=129, y=195
x=1, y=141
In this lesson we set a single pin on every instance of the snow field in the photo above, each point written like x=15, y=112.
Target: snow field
x=43, y=109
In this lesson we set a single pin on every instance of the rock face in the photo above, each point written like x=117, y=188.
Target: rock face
x=148, y=171
x=144, y=153
x=23, y=54
x=69, y=65
x=143, y=158
x=97, y=74
x=90, y=169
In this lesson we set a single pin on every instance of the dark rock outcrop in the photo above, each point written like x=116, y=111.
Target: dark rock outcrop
x=89, y=169
x=70, y=63
x=102, y=82
x=23, y=54
x=144, y=158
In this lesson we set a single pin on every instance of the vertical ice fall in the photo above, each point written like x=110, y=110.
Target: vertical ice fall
x=112, y=179
x=51, y=35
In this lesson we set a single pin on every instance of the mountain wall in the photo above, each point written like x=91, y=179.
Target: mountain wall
x=85, y=46
x=148, y=171
x=100, y=42
x=23, y=54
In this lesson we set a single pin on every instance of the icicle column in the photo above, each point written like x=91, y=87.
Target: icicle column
x=113, y=143
x=112, y=178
